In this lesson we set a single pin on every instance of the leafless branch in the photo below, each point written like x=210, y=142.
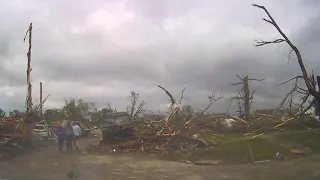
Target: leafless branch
x=294, y=48
x=290, y=54
x=173, y=101
x=237, y=83
x=262, y=43
x=297, y=77
x=304, y=100
x=135, y=109
x=251, y=96
x=182, y=95
x=299, y=114
x=307, y=108
x=294, y=89
x=301, y=92
x=212, y=99
x=45, y=99
x=239, y=77
x=257, y=79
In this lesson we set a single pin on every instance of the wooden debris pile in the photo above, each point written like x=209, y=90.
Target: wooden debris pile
x=18, y=126
x=154, y=137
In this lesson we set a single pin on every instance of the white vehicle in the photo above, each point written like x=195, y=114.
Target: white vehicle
x=42, y=129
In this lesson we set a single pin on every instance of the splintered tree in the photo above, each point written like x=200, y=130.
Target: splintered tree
x=174, y=105
x=311, y=88
x=29, y=86
x=135, y=108
x=245, y=95
x=175, y=108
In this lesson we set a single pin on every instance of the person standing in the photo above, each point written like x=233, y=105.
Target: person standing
x=60, y=135
x=76, y=132
x=69, y=136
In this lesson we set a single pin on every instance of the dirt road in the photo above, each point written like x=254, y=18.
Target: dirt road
x=50, y=164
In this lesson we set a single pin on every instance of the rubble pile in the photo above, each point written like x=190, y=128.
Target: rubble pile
x=14, y=127
x=154, y=137
x=158, y=136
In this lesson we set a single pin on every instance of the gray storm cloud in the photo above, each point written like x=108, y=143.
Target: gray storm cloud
x=100, y=51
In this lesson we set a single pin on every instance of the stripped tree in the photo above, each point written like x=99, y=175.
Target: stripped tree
x=245, y=95
x=174, y=105
x=311, y=88
x=29, y=69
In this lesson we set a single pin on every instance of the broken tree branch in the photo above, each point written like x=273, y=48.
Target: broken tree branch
x=294, y=48
x=173, y=101
x=182, y=95
x=261, y=43
x=250, y=79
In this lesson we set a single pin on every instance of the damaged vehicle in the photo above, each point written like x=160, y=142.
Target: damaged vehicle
x=116, y=126
x=42, y=129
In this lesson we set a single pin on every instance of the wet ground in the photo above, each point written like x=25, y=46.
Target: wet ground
x=50, y=164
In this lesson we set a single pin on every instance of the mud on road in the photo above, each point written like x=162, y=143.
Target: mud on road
x=51, y=164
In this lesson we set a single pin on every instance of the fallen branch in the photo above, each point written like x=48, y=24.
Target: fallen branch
x=294, y=117
x=284, y=122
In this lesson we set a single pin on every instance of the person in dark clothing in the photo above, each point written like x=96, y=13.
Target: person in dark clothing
x=69, y=136
x=60, y=136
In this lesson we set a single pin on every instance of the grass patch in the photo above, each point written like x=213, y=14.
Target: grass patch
x=308, y=139
x=235, y=148
x=223, y=137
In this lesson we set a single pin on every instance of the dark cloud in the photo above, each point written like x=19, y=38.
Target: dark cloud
x=100, y=51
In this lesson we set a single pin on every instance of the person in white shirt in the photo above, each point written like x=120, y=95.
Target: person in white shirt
x=76, y=132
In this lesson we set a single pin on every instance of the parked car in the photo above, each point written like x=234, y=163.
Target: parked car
x=42, y=129
x=116, y=127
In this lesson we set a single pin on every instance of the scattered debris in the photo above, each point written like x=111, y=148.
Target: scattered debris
x=262, y=161
x=208, y=162
x=296, y=151
x=228, y=122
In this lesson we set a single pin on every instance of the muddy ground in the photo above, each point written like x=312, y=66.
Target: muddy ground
x=47, y=164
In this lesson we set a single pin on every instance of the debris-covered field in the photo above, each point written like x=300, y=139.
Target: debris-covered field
x=221, y=139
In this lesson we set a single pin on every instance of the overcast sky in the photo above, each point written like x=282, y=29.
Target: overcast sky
x=100, y=50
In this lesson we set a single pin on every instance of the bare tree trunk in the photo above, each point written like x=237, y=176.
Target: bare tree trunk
x=29, y=86
x=245, y=96
x=246, y=92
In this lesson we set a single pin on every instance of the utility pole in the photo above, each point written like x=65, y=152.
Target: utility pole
x=41, y=103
